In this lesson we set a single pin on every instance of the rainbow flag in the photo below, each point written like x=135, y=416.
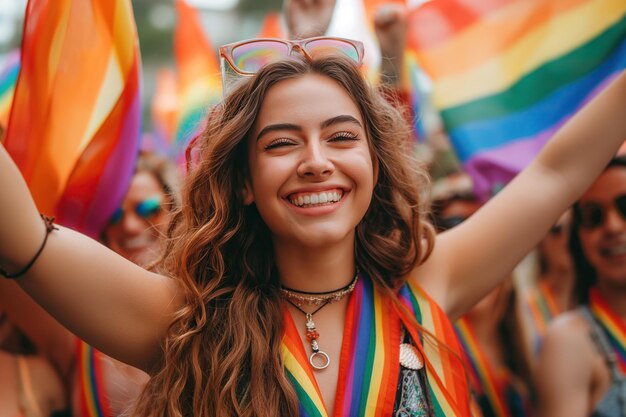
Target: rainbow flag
x=199, y=78
x=8, y=77
x=508, y=73
x=412, y=71
x=75, y=122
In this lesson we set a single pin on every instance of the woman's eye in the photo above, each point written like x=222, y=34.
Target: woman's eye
x=276, y=143
x=340, y=136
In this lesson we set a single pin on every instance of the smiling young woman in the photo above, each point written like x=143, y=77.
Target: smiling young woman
x=214, y=324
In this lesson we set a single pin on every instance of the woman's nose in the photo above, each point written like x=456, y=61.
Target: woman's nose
x=614, y=222
x=315, y=162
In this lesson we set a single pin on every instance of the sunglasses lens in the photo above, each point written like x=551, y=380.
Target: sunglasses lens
x=591, y=216
x=252, y=56
x=148, y=208
x=117, y=216
x=318, y=48
x=620, y=205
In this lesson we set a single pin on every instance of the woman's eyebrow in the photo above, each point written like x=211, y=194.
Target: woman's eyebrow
x=340, y=119
x=278, y=126
x=297, y=128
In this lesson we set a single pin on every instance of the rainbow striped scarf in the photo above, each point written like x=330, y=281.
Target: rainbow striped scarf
x=614, y=325
x=496, y=389
x=369, y=364
x=541, y=308
x=92, y=398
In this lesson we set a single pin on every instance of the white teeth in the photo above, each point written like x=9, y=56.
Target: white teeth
x=316, y=199
x=615, y=251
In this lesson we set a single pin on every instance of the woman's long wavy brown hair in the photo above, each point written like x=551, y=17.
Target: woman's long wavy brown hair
x=222, y=355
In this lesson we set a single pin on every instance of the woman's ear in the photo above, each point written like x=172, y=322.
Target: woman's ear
x=246, y=193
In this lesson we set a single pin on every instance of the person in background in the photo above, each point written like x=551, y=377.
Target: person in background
x=551, y=293
x=138, y=225
x=581, y=367
x=491, y=333
x=101, y=385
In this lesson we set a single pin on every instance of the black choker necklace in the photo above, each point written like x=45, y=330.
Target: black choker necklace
x=317, y=298
x=319, y=359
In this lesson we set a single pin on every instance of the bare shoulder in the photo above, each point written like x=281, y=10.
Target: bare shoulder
x=565, y=368
x=569, y=329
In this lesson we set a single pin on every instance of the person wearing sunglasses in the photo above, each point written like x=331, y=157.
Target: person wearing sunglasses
x=581, y=369
x=301, y=276
x=138, y=224
x=95, y=380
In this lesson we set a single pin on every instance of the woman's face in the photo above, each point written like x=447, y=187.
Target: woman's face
x=136, y=228
x=311, y=170
x=605, y=244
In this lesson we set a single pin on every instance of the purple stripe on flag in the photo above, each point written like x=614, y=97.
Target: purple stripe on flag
x=496, y=167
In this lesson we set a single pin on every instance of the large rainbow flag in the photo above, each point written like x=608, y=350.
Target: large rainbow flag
x=74, y=126
x=508, y=73
x=9, y=69
x=199, y=78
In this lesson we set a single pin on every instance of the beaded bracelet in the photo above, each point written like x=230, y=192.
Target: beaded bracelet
x=49, y=222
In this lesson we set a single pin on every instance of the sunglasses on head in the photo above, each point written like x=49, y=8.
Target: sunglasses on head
x=593, y=215
x=145, y=209
x=248, y=57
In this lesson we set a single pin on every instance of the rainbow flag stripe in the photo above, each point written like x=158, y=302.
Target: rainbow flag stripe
x=369, y=364
x=541, y=308
x=91, y=396
x=484, y=380
x=412, y=70
x=75, y=121
x=444, y=364
x=614, y=325
x=537, y=63
x=199, y=77
x=8, y=77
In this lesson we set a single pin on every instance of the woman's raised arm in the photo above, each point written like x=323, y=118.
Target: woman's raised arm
x=471, y=259
x=111, y=303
